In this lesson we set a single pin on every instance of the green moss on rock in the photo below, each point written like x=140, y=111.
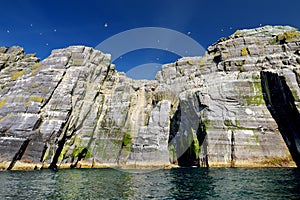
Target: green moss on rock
x=127, y=140
x=172, y=153
x=82, y=152
x=256, y=138
x=63, y=152
x=46, y=154
x=255, y=97
x=195, y=148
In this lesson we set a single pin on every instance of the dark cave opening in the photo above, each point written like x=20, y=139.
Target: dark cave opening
x=281, y=104
x=185, y=147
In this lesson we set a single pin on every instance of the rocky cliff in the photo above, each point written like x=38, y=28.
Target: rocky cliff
x=238, y=105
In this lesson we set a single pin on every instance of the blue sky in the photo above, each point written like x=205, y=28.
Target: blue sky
x=40, y=26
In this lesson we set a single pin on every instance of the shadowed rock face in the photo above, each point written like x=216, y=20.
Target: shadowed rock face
x=281, y=104
x=223, y=109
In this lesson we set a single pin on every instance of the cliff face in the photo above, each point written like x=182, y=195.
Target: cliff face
x=238, y=105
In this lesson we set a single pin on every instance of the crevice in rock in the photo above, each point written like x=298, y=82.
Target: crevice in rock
x=184, y=147
x=202, y=139
x=281, y=104
x=173, y=134
x=191, y=156
x=37, y=124
x=106, y=75
x=125, y=149
x=60, y=144
x=174, y=124
x=204, y=157
x=53, y=91
x=19, y=154
x=46, y=146
x=86, y=116
x=232, y=153
x=44, y=152
x=92, y=138
x=217, y=59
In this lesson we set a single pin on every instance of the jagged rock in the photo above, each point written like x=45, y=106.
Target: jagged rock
x=231, y=107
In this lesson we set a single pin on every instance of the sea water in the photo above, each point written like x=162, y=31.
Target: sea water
x=179, y=183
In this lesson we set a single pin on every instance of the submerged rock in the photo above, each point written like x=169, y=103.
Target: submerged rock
x=238, y=105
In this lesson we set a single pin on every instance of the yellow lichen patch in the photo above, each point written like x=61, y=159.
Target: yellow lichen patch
x=28, y=103
x=238, y=32
x=35, y=86
x=35, y=67
x=222, y=39
x=190, y=62
x=202, y=62
x=37, y=99
x=280, y=37
x=288, y=37
x=181, y=70
x=2, y=102
x=15, y=75
x=224, y=56
x=44, y=89
x=245, y=51
x=241, y=69
x=291, y=36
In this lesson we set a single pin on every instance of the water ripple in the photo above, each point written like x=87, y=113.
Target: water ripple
x=181, y=183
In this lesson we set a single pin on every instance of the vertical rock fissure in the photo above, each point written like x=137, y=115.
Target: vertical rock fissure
x=60, y=144
x=204, y=158
x=174, y=128
x=281, y=104
x=53, y=91
x=232, y=144
x=19, y=154
x=202, y=139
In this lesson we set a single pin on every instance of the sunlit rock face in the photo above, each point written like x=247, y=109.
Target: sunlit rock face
x=238, y=105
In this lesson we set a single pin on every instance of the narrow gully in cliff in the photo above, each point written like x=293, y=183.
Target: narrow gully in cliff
x=19, y=154
x=232, y=152
x=53, y=91
x=186, y=147
x=281, y=104
x=60, y=144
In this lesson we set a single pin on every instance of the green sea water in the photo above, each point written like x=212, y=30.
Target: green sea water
x=181, y=183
